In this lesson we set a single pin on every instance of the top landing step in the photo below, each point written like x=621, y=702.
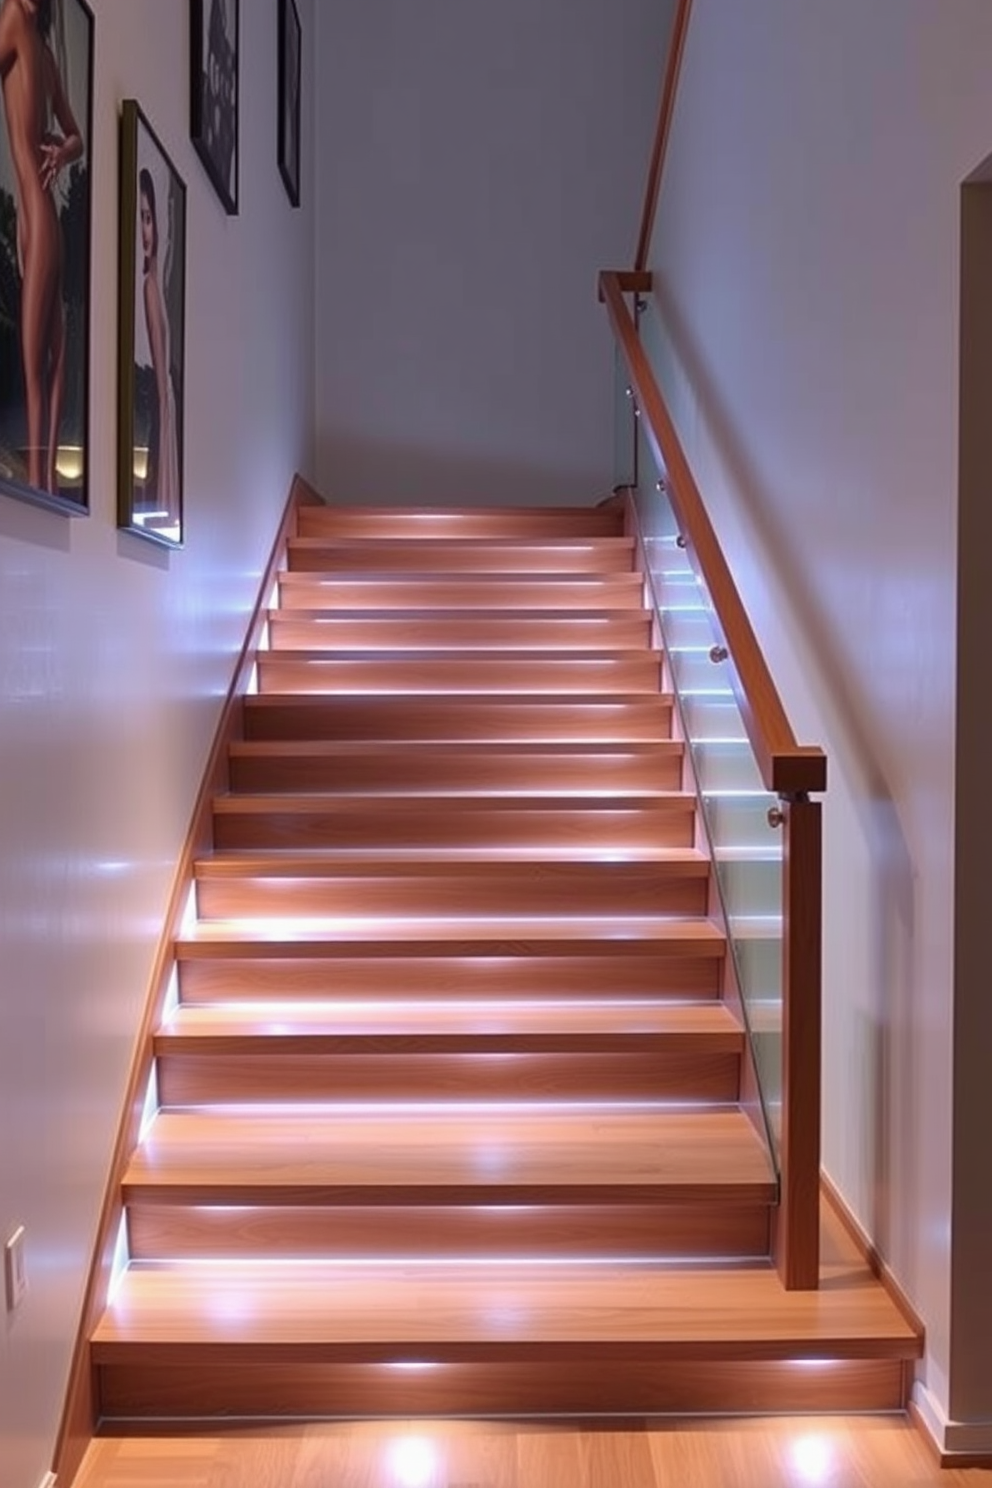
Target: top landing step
x=448, y=522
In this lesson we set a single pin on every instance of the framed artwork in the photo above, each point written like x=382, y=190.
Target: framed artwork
x=46, y=63
x=151, y=318
x=213, y=93
x=289, y=98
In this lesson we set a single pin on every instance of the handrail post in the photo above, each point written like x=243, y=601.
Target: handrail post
x=797, y=1237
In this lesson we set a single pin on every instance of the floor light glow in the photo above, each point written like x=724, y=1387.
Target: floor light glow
x=413, y=1461
x=813, y=1458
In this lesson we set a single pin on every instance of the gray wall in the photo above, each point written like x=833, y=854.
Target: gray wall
x=807, y=256
x=114, y=658
x=479, y=163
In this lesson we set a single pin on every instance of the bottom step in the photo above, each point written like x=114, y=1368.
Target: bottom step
x=594, y=1386
x=201, y=1339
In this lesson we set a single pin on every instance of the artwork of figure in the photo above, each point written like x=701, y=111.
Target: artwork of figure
x=43, y=139
x=162, y=478
x=216, y=134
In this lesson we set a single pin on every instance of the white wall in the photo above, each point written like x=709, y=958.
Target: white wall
x=479, y=164
x=114, y=659
x=807, y=253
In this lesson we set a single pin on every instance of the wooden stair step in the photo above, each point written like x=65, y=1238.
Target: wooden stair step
x=612, y=939
x=384, y=1231
x=467, y=1338
x=449, y=818
x=453, y=1153
x=263, y=765
x=430, y=523
x=401, y=630
x=446, y=672
x=410, y=1025
x=460, y=718
x=410, y=1050
x=579, y=592
x=347, y=1311
x=236, y=885
x=444, y=555
x=233, y=972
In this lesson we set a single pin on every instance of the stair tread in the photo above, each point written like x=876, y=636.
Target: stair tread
x=564, y=863
x=488, y=1310
x=455, y=1151
x=523, y=656
x=554, y=1022
x=387, y=935
x=481, y=798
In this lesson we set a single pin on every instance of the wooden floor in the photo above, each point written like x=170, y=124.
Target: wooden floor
x=838, y=1451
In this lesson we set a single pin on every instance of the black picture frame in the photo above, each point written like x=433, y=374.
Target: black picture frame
x=151, y=341
x=44, y=408
x=215, y=30
x=290, y=44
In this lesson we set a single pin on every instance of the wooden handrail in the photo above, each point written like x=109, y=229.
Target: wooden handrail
x=666, y=108
x=786, y=767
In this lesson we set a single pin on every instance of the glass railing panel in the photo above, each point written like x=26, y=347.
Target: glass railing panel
x=624, y=426
x=746, y=849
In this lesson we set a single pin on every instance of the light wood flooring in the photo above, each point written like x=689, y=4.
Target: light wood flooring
x=836, y=1451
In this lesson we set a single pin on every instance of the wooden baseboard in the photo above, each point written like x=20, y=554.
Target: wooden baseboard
x=78, y=1420
x=871, y=1256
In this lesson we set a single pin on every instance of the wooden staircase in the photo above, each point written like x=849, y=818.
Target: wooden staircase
x=447, y=1112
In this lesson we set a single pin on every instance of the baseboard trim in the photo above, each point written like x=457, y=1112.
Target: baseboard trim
x=81, y=1407
x=958, y=1444
x=870, y=1254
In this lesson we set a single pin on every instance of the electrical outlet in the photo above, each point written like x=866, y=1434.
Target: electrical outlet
x=15, y=1272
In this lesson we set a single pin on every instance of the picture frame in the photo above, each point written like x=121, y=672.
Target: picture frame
x=151, y=347
x=214, y=29
x=289, y=52
x=45, y=367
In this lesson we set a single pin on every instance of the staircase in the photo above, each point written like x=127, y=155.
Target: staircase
x=448, y=1113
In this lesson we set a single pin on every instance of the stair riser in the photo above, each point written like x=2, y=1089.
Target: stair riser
x=480, y=592
x=686, y=978
x=473, y=894
x=191, y=1384
x=458, y=719
x=491, y=522
x=566, y=1231
x=601, y=555
x=413, y=770
x=280, y=674
x=382, y=825
x=289, y=631
x=200, y=1079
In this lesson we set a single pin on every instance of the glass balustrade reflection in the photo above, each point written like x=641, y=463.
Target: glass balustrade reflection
x=746, y=849
x=624, y=426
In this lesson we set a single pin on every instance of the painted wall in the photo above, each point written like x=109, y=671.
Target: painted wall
x=807, y=257
x=479, y=164
x=114, y=659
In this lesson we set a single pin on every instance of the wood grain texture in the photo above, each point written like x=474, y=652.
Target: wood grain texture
x=773, y=1452
x=469, y=630
x=584, y=1382
x=452, y=555
x=666, y=111
x=517, y=1231
x=488, y=592
x=429, y=523
x=456, y=719
x=797, y=1229
x=452, y=1153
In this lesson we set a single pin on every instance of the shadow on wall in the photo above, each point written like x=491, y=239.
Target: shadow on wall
x=374, y=473
x=893, y=874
